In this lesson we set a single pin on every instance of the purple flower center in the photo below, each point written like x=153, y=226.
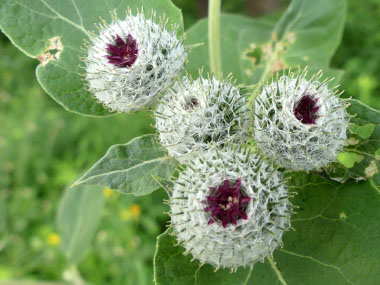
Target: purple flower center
x=192, y=104
x=122, y=54
x=227, y=203
x=305, y=110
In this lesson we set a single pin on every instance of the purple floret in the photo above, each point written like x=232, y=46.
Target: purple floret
x=227, y=203
x=305, y=110
x=122, y=54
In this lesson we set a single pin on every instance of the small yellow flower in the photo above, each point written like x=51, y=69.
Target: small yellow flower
x=53, y=239
x=133, y=212
x=107, y=192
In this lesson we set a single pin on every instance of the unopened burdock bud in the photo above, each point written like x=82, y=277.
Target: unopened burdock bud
x=301, y=124
x=194, y=114
x=132, y=61
x=229, y=208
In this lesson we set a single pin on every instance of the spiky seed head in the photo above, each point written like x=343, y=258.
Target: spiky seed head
x=300, y=123
x=229, y=208
x=196, y=113
x=132, y=61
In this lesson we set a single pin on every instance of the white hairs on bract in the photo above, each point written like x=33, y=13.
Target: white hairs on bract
x=194, y=114
x=251, y=239
x=301, y=124
x=158, y=59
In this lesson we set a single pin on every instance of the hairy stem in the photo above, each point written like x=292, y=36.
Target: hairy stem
x=214, y=38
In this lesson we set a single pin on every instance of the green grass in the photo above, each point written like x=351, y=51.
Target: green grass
x=359, y=52
x=43, y=150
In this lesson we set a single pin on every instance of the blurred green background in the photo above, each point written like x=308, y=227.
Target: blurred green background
x=43, y=149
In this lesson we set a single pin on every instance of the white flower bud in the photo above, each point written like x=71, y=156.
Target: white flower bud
x=194, y=114
x=300, y=124
x=132, y=61
x=229, y=208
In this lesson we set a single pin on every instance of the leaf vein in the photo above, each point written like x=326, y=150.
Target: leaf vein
x=79, y=14
x=276, y=270
x=121, y=170
x=317, y=261
x=248, y=276
x=34, y=11
x=63, y=18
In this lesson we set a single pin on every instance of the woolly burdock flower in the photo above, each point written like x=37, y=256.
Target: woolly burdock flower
x=229, y=208
x=132, y=61
x=194, y=114
x=227, y=203
x=300, y=123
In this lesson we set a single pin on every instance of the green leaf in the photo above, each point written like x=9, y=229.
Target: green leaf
x=362, y=131
x=53, y=31
x=172, y=267
x=307, y=35
x=132, y=168
x=311, y=31
x=335, y=241
x=348, y=159
x=336, y=234
x=78, y=216
x=166, y=184
x=364, y=141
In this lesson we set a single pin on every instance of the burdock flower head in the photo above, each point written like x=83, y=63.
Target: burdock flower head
x=132, y=61
x=194, y=114
x=229, y=208
x=300, y=123
x=227, y=203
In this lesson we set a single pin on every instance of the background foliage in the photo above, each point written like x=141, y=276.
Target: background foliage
x=43, y=149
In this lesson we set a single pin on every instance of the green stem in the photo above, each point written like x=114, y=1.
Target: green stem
x=276, y=270
x=214, y=38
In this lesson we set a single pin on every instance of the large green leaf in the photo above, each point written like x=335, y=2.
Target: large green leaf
x=307, y=34
x=311, y=31
x=335, y=241
x=53, y=31
x=361, y=157
x=132, y=168
x=172, y=267
x=78, y=216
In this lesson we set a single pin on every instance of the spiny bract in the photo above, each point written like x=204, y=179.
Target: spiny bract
x=299, y=123
x=194, y=114
x=229, y=208
x=132, y=61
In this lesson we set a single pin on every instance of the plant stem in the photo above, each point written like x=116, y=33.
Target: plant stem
x=214, y=38
x=72, y=275
x=276, y=270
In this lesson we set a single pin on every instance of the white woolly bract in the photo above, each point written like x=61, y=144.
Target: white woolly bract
x=194, y=114
x=160, y=59
x=289, y=142
x=250, y=240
